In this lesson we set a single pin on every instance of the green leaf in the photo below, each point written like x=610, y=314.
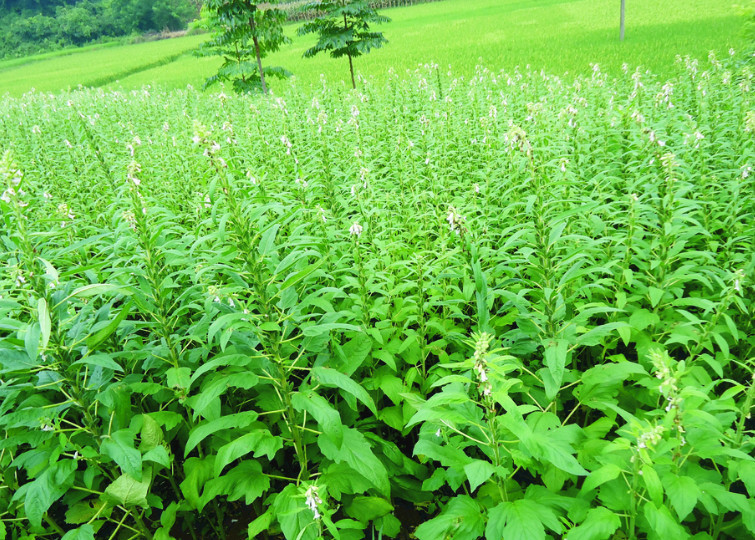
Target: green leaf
x=595, y=336
x=600, y=524
x=101, y=360
x=93, y=341
x=746, y=470
x=197, y=471
x=120, y=448
x=600, y=476
x=662, y=524
x=478, y=472
x=682, y=492
x=85, y=532
x=128, y=492
x=324, y=328
x=652, y=483
x=151, y=434
x=261, y=441
x=462, y=518
x=518, y=520
x=245, y=480
x=45, y=324
x=368, y=508
x=178, y=377
x=356, y=452
x=204, y=430
x=322, y=411
x=296, y=520
x=332, y=378
x=555, y=361
x=261, y=524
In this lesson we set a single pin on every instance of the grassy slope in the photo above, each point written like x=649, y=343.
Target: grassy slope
x=558, y=35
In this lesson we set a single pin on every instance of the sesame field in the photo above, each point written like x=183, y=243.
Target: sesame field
x=499, y=304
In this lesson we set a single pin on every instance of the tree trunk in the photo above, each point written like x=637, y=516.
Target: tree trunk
x=351, y=63
x=253, y=26
x=351, y=68
x=621, y=24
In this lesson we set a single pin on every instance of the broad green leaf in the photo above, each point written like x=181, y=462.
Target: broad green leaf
x=243, y=481
x=85, y=532
x=333, y=378
x=555, y=361
x=321, y=411
x=746, y=470
x=652, y=483
x=94, y=340
x=259, y=441
x=518, y=520
x=662, y=524
x=461, y=518
x=600, y=476
x=205, y=429
x=367, y=509
x=356, y=452
x=682, y=492
x=178, y=377
x=324, y=328
x=478, y=472
x=128, y=492
x=45, y=324
x=600, y=524
x=101, y=360
x=120, y=448
x=295, y=518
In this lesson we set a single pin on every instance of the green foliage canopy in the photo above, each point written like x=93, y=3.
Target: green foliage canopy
x=245, y=33
x=343, y=27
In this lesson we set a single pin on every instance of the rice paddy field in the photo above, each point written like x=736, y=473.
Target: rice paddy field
x=556, y=35
x=493, y=303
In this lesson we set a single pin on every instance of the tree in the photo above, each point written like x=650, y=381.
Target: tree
x=246, y=31
x=621, y=24
x=344, y=29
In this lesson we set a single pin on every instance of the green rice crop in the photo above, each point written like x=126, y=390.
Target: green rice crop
x=556, y=35
x=505, y=305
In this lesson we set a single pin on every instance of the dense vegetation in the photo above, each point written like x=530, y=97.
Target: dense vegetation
x=508, y=305
x=32, y=26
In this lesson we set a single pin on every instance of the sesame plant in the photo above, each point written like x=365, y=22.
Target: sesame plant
x=506, y=306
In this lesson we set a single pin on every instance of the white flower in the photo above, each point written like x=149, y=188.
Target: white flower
x=476, y=188
x=313, y=500
x=356, y=229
